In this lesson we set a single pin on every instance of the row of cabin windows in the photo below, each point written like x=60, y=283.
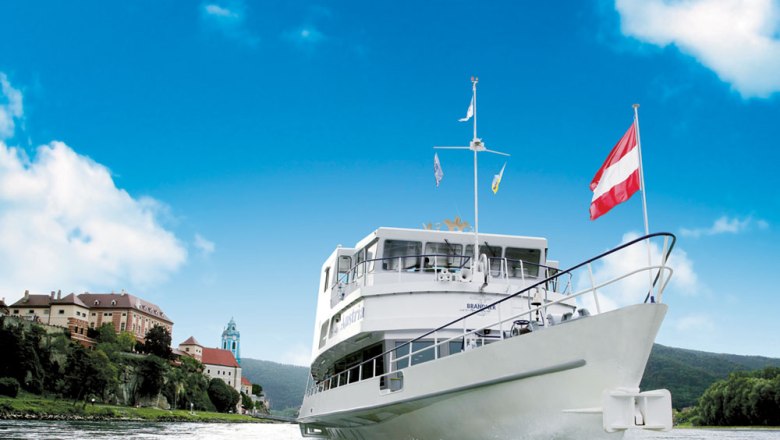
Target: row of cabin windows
x=410, y=256
x=406, y=256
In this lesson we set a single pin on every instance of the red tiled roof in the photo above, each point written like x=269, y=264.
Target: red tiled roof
x=33, y=301
x=70, y=299
x=122, y=301
x=217, y=356
x=245, y=381
x=191, y=341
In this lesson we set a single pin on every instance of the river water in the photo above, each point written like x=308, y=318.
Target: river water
x=44, y=430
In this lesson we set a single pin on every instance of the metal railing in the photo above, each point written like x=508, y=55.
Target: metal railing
x=659, y=278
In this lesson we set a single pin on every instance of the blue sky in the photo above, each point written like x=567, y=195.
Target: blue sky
x=209, y=156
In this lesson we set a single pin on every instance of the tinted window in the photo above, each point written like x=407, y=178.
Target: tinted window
x=402, y=255
x=443, y=255
x=530, y=259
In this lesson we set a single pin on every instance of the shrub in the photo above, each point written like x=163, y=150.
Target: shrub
x=9, y=387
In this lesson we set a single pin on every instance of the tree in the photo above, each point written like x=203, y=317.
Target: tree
x=89, y=373
x=106, y=333
x=246, y=402
x=152, y=372
x=222, y=395
x=125, y=341
x=158, y=342
x=257, y=390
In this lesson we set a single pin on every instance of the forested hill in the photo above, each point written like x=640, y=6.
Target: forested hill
x=284, y=385
x=687, y=373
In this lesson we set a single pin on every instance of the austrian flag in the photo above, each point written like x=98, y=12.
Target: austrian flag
x=618, y=179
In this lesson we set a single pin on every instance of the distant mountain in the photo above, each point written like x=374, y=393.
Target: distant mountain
x=686, y=373
x=284, y=385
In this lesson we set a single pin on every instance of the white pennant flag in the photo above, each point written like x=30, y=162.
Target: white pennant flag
x=438, y=173
x=497, y=179
x=469, y=112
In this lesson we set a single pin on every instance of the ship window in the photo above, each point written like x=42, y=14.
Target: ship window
x=360, y=257
x=418, y=357
x=494, y=256
x=402, y=255
x=323, y=333
x=530, y=258
x=435, y=255
x=327, y=279
x=345, y=264
x=371, y=254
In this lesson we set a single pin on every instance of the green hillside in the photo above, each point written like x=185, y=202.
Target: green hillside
x=687, y=373
x=284, y=385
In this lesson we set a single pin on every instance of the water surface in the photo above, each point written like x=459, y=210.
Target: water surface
x=116, y=430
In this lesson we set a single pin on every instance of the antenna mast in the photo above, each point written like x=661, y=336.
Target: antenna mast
x=477, y=146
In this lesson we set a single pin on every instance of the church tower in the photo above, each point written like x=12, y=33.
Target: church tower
x=231, y=340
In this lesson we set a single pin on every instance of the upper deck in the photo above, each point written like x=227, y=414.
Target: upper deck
x=433, y=266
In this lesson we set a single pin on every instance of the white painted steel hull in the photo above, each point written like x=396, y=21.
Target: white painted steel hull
x=529, y=386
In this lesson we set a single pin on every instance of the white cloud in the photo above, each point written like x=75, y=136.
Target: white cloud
x=10, y=107
x=298, y=354
x=220, y=11
x=229, y=21
x=725, y=225
x=694, y=323
x=64, y=224
x=306, y=35
x=205, y=246
x=737, y=39
x=632, y=290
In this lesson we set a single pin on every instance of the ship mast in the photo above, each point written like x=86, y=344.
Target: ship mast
x=477, y=146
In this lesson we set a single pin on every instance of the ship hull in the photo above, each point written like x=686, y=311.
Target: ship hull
x=546, y=384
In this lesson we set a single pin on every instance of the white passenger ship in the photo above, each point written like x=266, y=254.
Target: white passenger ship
x=415, y=338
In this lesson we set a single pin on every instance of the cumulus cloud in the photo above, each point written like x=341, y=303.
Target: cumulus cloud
x=725, y=225
x=737, y=39
x=10, y=107
x=305, y=36
x=205, y=246
x=297, y=354
x=694, y=323
x=632, y=290
x=65, y=224
x=229, y=20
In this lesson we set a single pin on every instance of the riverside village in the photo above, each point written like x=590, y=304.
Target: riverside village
x=116, y=349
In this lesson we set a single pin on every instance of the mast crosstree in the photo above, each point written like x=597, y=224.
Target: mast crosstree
x=477, y=146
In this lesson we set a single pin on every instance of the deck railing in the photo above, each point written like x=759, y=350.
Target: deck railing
x=533, y=319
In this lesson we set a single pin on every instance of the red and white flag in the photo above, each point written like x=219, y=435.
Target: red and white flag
x=618, y=179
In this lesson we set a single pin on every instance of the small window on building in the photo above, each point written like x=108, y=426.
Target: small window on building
x=124, y=314
x=113, y=302
x=93, y=313
x=31, y=311
x=16, y=311
x=61, y=311
x=122, y=326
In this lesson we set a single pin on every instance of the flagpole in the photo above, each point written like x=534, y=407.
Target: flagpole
x=474, y=81
x=644, y=192
x=641, y=169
